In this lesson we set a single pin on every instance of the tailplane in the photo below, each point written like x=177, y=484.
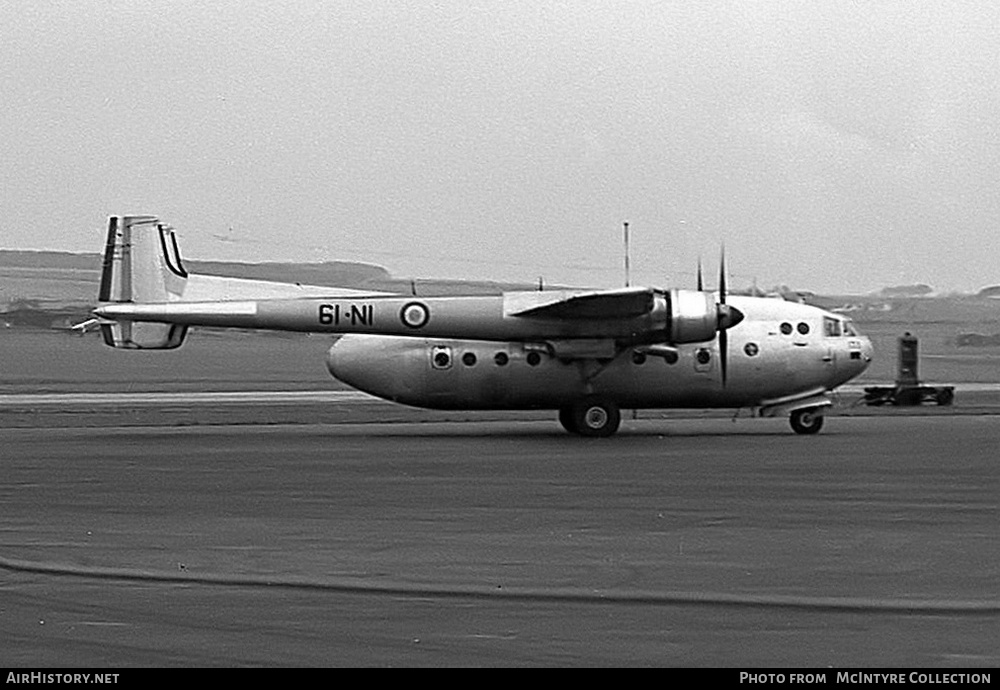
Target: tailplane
x=142, y=264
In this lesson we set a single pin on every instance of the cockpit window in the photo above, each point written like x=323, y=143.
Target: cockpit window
x=849, y=328
x=831, y=327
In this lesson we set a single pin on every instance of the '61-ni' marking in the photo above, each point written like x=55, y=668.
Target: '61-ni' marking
x=355, y=314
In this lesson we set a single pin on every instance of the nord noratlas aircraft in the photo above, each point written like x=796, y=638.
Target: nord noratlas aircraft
x=586, y=353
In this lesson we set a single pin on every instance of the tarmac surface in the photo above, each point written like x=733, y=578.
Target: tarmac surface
x=366, y=534
x=228, y=504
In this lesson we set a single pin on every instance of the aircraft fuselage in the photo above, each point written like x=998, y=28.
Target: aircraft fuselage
x=780, y=350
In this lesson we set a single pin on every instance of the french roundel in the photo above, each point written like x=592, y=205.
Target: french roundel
x=414, y=315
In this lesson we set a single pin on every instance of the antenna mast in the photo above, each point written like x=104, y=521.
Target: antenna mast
x=628, y=282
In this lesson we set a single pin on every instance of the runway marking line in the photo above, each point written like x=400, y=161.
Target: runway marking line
x=582, y=595
x=193, y=398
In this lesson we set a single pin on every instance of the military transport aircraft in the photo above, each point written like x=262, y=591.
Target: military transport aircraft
x=586, y=353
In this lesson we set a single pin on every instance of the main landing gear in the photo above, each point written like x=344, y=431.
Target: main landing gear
x=593, y=418
x=807, y=421
x=597, y=418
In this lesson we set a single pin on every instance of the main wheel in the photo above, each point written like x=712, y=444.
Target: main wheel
x=595, y=418
x=807, y=421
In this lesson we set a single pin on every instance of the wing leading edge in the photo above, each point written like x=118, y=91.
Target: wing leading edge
x=621, y=303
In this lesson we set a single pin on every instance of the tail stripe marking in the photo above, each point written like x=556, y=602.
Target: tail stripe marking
x=173, y=261
x=109, y=259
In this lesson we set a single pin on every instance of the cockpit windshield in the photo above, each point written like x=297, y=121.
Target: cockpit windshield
x=834, y=327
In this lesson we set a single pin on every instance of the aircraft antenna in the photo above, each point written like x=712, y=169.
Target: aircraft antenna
x=628, y=282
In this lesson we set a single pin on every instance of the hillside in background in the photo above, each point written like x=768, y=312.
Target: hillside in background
x=354, y=273
x=48, y=288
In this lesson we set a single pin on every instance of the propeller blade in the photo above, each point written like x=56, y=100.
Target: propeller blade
x=722, y=276
x=727, y=318
x=723, y=356
x=728, y=315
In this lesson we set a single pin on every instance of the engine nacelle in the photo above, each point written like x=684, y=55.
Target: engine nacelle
x=693, y=317
x=678, y=317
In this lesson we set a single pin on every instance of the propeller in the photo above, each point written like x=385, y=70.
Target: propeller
x=728, y=316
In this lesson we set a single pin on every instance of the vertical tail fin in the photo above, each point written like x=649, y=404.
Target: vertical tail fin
x=142, y=264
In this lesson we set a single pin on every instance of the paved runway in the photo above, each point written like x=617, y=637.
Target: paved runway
x=979, y=392
x=128, y=408
x=687, y=541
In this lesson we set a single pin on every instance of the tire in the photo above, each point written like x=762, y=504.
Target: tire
x=592, y=418
x=807, y=421
x=945, y=397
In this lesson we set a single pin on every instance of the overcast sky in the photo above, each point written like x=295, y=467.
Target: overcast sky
x=831, y=145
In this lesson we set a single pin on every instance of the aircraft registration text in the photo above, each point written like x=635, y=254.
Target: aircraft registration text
x=354, y=314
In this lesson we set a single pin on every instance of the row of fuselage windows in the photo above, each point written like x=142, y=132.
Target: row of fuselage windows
x=831, y=328
x=443, y=360
x=802, y=328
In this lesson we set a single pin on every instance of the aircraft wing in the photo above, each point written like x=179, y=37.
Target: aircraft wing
x=580, y=304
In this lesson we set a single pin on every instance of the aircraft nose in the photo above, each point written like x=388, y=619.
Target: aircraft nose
x=865, y=359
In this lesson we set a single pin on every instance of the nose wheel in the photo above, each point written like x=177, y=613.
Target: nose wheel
x=807, y=421
x=593, y=418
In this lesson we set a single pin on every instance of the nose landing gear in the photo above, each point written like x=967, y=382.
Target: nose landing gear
x=806, y=421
